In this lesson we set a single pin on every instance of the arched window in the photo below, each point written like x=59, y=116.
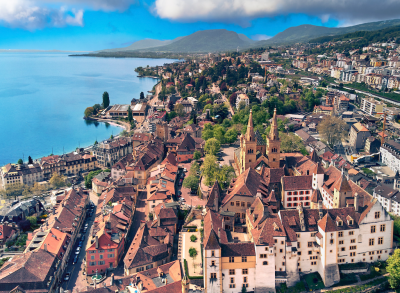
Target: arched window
x=265, y=263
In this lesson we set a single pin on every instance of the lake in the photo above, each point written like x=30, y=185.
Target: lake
x=43, y=97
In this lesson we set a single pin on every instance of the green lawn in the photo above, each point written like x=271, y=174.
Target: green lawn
x=299, y=287
x=347, y=279
x=314, y=281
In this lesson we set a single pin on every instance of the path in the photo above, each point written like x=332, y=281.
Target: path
x=352, y=285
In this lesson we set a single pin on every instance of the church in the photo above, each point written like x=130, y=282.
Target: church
x=253, y=153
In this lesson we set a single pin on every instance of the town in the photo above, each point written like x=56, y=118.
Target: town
x=266, y=170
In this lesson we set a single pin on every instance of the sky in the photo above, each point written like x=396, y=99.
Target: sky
x=89, y=25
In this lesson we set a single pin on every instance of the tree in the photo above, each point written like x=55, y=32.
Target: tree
x=194, y=169
x=191, y=182
x=207, y=134
x=212, y=146
x=242, y=105
x=141, y=95
x=332, y=130
x=193, y=254
x=20, y=162
x=244, y=289
x=393, y=268
x=232, y=99
x=224, y=175
x=209, y=169
x=89, y=177
x=219, y=133
x=12, y=190
x=57, y=180
x=196, y=155
x=193, y=238
x=130, y=117
x=106, y=100
x=88, y=111
x=32, y=220
x=231, y=135
x=290, y=143
x=179, y=110
x=30, y=161
x=38, y=189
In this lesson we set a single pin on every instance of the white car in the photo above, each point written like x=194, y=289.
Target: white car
x=78, y=250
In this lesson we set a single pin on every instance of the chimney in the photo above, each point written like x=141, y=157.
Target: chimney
x=320, y=209
x=258, y=193
x=219, y=233
x=356, y=201
x=45, y=247
x=97, y=242
x=223, y=223
x=112, y=279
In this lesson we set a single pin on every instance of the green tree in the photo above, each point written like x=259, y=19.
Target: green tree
x=242, y=105
x=38, y=189
x=209, y=169
x=212, y=146
x=193, y=238
x=179, y=110
x=12, y=190
x=20, y=162
x=332, y=130
x=224, y=175
x=141, y=95
x=106, y=100
x=30, y=161
x=88, y=111
x=57, y=180
x=219, y=133
x=89, y=177
x=231, y=135
x=207, y=134
x=130, y=117
x=194, y=169
x=196, y=155
x=290, y=143
x=191, y=182
x=393, y=268
x=32, y=220
x=193, y=254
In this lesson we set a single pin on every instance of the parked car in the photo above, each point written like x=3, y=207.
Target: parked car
x=75, y=260
x=184, y=170
x=182, y=199
x=80, y=243
x=78, y=250
x=180, y=181
x=67, y=276
x=83, y=238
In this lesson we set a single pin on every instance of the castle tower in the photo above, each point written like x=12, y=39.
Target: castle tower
x=248, y=145
x=185, y=284
x=342, y=190
x=273, y=144
x=318, y=177
x=162, y=131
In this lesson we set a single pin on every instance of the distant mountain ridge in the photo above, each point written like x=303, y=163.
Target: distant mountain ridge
x=220, y=40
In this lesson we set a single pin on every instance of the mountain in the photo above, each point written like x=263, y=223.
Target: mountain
x=306, y=32
x=207, y=41
x=143, y=44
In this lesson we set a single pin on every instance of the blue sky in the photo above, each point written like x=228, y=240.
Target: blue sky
x=100, y=24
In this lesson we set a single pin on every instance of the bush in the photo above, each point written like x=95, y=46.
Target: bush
x=193, y=238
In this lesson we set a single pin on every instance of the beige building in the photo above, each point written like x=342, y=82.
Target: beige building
x=358, y=135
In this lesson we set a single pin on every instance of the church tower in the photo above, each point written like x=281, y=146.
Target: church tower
x=273, y=144
x=248, y=146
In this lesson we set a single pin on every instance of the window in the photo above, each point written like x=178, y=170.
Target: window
x=92, y=257
x=341, y=242
x=232, y=203
x=265, y=263
x=340, y=234
x=245, y=271
x=283, y=263
x=313, y=263
x=380, y=240
x=263, y=256
x=101, y=256
x=289, y=193
x=213, y=263
x=110, y=255
x=243, y=204
x=373, y=229
x=231, y=272
x=377, y=215
x=102, y=262
x=342, y=248
x=231, y=259
x=354, y=247
x=341, y=260
x=244, y=258
x=232, y=280
x=92, y=263
x=280, y=250
x=299, y=253
x=213, y=275
x=212, y=253
x=244, y=279
x=309, y=252
x=352, y=241
x=310, y=244
x=383, y=228
x=331, y=241
x=110, y=250
x=352, y=254
x=238, y=203
x=371, y=241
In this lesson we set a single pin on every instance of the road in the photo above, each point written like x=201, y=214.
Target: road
x=78, y=280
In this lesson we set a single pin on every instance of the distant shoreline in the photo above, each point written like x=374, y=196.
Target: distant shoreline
x=130, y=54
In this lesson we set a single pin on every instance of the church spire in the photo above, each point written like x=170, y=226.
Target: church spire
x=274, y=134
x=250, y=135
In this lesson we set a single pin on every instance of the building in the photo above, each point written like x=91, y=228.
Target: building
x=358, y=135
x=296, y=190
x=21, y=210
x=240, y=98
x=117, y=111
x=389, y=198
x=110, y=151
x=372, y=145
x=28, y=174
x=341, y=104
x=100, y=182
x=371, y=106
x=390, y=155
x=184, y=146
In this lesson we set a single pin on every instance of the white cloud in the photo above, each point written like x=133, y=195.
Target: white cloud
x=240, y=11
x=27, y=15
x=260, y=37
x=37, y=14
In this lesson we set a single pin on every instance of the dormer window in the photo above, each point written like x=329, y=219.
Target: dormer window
x=339, y=223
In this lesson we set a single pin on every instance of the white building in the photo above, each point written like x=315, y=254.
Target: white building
x=242, y=97
x=390, y=155
x=389, y=198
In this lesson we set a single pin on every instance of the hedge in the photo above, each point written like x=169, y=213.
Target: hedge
x=187, y=272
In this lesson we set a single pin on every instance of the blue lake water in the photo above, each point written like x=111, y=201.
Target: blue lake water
x=43, y=97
